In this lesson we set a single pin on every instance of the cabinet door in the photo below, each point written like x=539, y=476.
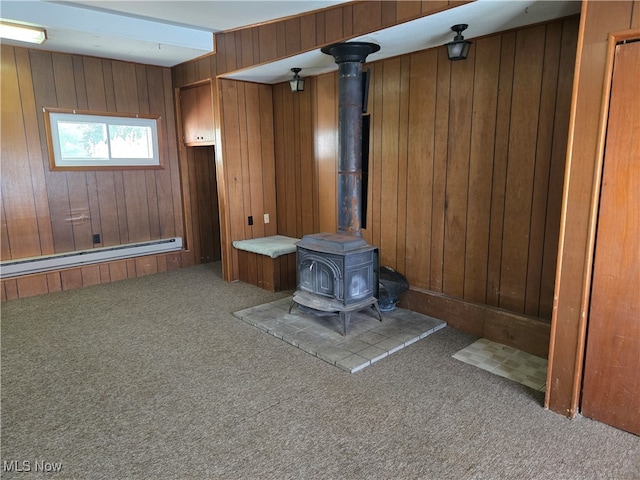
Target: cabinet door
x=196, y=107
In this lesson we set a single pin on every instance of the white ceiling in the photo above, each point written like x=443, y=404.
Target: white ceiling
x=153, y=32
x=483, y=17
x=169, y=32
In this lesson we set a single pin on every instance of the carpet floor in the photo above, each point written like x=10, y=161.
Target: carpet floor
x=154, y=378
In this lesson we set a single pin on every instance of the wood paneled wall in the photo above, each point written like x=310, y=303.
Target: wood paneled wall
x=573, y=282
x=45, y=212
x=270, y=41
x=466, y=165
x=296, y=171
x=249, y=163
x=263, y=43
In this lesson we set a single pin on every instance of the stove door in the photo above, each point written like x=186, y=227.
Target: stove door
x=320, y=274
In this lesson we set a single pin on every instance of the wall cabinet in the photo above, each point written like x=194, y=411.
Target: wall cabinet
x=196, y=108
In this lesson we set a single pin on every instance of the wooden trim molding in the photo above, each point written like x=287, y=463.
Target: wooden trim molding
x=525, y=333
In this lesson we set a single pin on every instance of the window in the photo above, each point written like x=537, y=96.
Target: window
x=80, y=140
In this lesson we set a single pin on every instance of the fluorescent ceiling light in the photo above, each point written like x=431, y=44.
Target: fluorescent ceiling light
x=22, y=33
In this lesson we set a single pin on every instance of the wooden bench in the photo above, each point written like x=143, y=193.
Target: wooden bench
x=268, y=262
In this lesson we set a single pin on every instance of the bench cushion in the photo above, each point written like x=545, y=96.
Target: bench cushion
x=273, y=246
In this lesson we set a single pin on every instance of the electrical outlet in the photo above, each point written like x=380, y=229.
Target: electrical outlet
x=266, y=218
x=250, y=219
x=96, y=238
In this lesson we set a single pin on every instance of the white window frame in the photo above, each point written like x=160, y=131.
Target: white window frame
x=57, y=162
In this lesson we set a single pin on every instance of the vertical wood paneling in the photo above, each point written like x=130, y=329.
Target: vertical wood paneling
x=245, y=169
x=461, y=156
x=483, y=131
x=18, y=208
x=246, y=37
x=501, y=150
x=254, y=157
x=388, y=16
x=32, y=285
x=247, y=162
x=54, y=282
x=320, y=30
x=295, y=168
x=525, y=110
x=347, y=21
x=438, y=190
x=403, y=173
x=11, y=289
x=292, y=35
x=408, y=9
x=308, y=30
x=279, y=137
x=390, y=113
x=36, y=161
x=365, y=15
x=542, y=168
x=420, y=166
x=375, y=150
x=67, y=97
x=292, y=176
x=44, y=86
x=267, y=35
x=231, y=132
x=306, y=161
x=325, y=151
x=556, y=174
x=333, y=25
x=61, y=210
x=164, y=206
x=281, y=40
x=457, y=185
x=266, y=135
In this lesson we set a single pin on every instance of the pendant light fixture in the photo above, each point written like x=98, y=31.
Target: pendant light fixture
x=297, y=82
x=459, y=48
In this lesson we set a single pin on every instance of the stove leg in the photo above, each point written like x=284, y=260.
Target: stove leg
x=375, y=307
x=291, y=305
x=346, y=318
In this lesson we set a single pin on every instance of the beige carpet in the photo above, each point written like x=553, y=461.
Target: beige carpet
x=154, y=378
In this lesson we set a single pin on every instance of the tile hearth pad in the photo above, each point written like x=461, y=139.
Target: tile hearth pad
x=508, y=362
x=369, y=340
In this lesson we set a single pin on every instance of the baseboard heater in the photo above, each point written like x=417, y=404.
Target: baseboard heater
x=25, y=266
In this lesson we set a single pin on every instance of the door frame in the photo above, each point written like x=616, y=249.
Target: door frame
x=613, y=40
x=191, y=256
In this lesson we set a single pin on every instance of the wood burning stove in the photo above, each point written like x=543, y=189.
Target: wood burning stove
x=338, y=272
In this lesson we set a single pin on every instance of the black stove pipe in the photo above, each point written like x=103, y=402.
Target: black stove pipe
x=350, y=56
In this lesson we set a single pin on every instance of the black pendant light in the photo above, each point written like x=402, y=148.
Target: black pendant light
x=297, y=82
x=459, y=48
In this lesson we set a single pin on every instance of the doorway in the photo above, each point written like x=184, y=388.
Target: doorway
x=204, y=204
